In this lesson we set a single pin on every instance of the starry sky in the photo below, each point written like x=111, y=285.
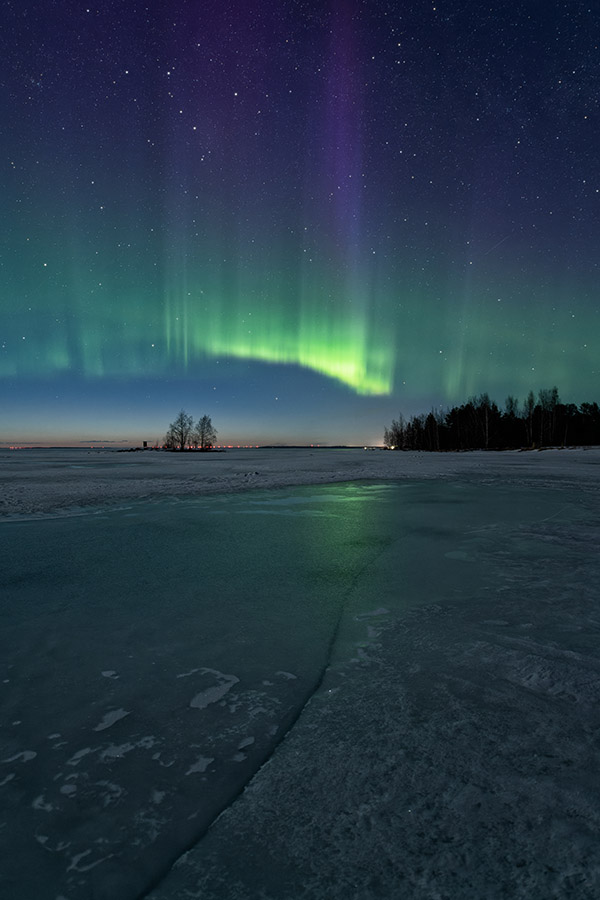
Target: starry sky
x=300, y=217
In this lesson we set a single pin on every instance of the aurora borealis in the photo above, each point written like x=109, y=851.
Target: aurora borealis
x=300, y=218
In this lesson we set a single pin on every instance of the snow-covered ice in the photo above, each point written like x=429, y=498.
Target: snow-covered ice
x=363, y=689
x=36, y=482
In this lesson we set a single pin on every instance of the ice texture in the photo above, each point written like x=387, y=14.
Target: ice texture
x=40, y=482
x=395, y=693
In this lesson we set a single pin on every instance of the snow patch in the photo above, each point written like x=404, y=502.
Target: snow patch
x=40, y=803
x=77, y=757
x=25, y=755
x=68, y=789
x=201, y=765
x=187, y=674
x=111, y=717
x=215, y=693
x=114, y=751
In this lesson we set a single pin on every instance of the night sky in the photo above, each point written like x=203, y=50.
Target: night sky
x=300, y=218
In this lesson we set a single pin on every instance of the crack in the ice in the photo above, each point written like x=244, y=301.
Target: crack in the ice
x=292, y=722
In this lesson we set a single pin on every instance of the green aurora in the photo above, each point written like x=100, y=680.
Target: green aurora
x=447, y=339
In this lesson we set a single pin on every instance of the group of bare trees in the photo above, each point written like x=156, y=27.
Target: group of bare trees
x=480, y=424
x=183, y=434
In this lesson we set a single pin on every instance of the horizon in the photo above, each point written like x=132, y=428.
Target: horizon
x=243, y=444
x=73, y=442
x=116, y=445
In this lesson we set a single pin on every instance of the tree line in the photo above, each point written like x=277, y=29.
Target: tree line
x=184, y=434
x=479, y=424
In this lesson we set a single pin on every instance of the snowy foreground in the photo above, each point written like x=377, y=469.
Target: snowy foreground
x=41, y=481
x=381, y=680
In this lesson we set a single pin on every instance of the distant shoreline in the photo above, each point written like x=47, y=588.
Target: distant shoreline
x=218, y=449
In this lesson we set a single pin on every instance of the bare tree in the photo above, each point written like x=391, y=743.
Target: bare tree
x=548, y=402
x=397, y=433
x=511, y=406
x=432, y=432
x=180, y=432
x=528, y=408
x=205, y=434
x=486, y=415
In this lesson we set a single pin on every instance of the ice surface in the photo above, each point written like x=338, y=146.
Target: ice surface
x=454, y=754
x=416, y=663
x=36, y=482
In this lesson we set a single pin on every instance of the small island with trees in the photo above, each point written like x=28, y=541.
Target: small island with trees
x=479, y=424
x=184, y=434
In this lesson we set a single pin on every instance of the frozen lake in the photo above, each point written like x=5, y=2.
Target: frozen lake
x=386, y=688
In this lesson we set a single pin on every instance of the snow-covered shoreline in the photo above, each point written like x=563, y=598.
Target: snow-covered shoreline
x=43, y=482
